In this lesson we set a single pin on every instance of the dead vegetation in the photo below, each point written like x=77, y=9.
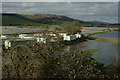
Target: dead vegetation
x=39, y=61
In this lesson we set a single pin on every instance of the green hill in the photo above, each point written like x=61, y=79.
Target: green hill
x=41, y=19
x=34, y=19
x=15, y=20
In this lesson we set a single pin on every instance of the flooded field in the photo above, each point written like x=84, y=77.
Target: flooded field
x=107, y=51
x=14, y=30
x=111, y=35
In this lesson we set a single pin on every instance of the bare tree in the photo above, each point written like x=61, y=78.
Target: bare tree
x=71, y=27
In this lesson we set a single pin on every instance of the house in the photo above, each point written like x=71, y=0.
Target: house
x=41, y=40
x=69, y=38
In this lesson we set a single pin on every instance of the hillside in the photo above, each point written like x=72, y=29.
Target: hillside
x=41, y=19
x=37, y=19
x=15, y=20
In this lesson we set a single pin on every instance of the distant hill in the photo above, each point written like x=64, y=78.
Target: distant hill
x=41, y=19
x=99, y=22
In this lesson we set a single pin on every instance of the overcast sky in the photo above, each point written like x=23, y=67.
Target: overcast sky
x=60, y=0
x=88, y=11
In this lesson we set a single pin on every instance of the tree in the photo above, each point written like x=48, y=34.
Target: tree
x=71, y=27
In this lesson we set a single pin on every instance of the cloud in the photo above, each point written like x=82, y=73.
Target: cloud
x=60, y=0
x=79, y=10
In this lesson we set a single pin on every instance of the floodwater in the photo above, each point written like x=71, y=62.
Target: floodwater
x=107, y=51
x=111, y=35
x=8, y=30
x=96, y=29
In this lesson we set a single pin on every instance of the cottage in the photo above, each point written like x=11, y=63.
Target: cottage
x=69, y=37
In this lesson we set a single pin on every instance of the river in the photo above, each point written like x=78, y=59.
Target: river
x=107, y=51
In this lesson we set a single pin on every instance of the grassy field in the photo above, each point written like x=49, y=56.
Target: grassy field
x=108, y=40
x=90, y=51
x=16, y=20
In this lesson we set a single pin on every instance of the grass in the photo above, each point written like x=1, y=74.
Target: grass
x=90, y=51
x=17, y=20
x=95, y=29
x=108, y=40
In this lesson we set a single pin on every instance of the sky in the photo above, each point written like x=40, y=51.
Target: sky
x=60, y=0
x=87, y=11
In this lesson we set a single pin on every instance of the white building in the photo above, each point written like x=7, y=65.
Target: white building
x=69, y=38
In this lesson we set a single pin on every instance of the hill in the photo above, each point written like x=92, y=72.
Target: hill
x=35, y=19
x=15, y=20
x=42, y=19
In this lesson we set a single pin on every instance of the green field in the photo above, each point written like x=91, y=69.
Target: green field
x=10, y=20
x=108, y=40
